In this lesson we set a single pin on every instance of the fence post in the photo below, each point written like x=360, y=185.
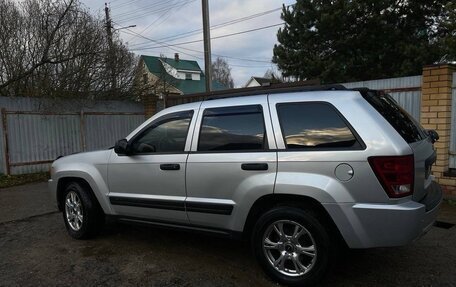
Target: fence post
x=436, y=115
x=82, y=130
x=5, y=141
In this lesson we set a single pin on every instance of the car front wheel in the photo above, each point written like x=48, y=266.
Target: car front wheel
x=82, y=215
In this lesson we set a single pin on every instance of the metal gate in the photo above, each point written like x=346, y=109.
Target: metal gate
x=405, y=90
x=32, y=140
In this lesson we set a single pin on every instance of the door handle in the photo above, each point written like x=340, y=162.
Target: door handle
x=254, y=166
x=169, y=166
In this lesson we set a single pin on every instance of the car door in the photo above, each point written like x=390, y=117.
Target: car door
x=232, y=161
x=149, y=183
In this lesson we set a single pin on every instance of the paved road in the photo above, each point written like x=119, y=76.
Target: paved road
x=24, y=201
x=37, y=251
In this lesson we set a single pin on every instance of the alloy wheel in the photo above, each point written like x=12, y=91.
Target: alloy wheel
x=73, y=210
x=289, y=248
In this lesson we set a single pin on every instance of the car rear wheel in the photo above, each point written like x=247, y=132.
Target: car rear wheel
x=82, y=214
x=292, y=246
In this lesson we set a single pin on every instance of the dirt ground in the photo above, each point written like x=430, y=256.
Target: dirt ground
x=36, y=251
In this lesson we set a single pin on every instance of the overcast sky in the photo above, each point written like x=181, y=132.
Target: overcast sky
x=248, y=54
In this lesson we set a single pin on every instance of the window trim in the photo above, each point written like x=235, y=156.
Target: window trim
x=265, y=137
x=362, y=145
x=160, y=120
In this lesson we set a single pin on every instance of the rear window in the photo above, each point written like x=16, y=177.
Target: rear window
x=410, y=130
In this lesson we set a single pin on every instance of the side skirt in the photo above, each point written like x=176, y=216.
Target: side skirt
x=237, y=235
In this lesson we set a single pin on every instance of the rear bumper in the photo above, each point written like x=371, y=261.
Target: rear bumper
x=380, y=225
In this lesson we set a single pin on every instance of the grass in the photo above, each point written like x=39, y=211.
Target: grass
x=13, y=180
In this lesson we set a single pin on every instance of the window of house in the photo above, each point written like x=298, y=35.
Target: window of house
x=233, y=129
x=314, y=125
x=188, y=76
x=168, y=134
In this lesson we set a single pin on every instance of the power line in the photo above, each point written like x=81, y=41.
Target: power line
x=217, y=26
x=164, y=18
x=248, y=66
x=218, y=55
x=212, y=38
x=224, y=24
x=141, y=9
x=147, y=12
x=130, y=32
x=191, y=55
x=121, y=4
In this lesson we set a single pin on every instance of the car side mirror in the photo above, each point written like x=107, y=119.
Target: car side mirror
x=434, y=135
x=122, y=147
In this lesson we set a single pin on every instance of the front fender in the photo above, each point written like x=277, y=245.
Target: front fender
x=94, y=175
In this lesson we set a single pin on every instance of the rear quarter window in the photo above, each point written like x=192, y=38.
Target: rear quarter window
x=409, y=129
x=315, y=125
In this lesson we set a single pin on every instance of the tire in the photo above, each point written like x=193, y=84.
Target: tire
x=292, y=252
x=82, y=214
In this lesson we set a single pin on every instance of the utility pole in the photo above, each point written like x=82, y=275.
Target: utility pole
x=110, y=57
x=207, y=46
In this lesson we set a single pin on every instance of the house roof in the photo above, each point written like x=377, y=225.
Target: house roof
x=153, y=64
x=185, y=86
x=261, y=80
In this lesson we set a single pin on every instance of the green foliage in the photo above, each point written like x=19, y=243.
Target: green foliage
x=448, y=31
x=348, y=40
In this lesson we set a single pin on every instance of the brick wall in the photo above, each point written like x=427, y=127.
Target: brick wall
x=436, y=114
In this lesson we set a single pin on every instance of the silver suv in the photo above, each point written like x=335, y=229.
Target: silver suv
x=296, y=172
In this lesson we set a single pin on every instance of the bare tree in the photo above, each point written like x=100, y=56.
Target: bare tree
x=58, y=49
x=221, y=72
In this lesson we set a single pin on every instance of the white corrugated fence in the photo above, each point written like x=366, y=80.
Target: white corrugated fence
x=34, y=132
x=405, y=90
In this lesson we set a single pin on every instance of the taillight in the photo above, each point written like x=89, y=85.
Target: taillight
x=395, y=173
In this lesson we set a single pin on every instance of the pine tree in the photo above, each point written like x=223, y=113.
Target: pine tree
x=349, y=40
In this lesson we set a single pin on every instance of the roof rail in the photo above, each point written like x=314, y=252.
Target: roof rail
x=311, y=85
x=267, y=89
x=272, y=90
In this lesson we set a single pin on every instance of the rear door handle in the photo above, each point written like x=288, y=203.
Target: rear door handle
x=254, y=166
x=169, y=166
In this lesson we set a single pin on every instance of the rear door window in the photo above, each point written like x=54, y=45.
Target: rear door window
x=314, y=126
x=233, y=129
x=409, y=129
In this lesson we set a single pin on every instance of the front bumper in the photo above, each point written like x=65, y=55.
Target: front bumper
x=52, y=186
x=379, y=225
